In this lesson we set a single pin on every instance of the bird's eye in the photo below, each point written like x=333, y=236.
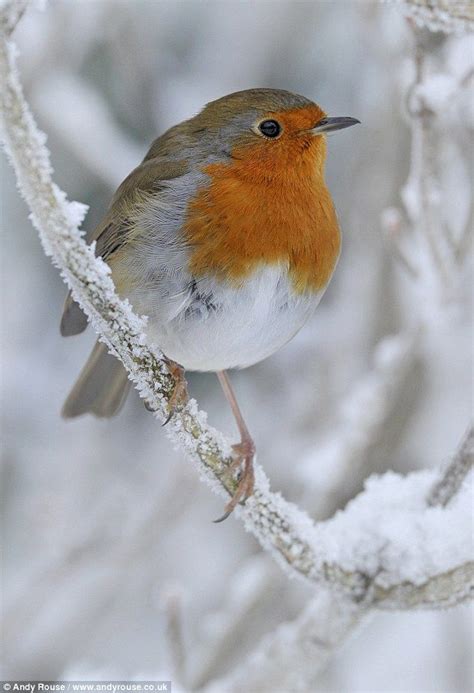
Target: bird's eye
x=270, y=128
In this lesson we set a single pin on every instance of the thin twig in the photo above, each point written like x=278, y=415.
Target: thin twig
x=172, y=599
x=292, y=656
x=455, y=473
x=392, y=229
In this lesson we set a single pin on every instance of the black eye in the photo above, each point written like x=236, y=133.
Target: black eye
x=270, y=128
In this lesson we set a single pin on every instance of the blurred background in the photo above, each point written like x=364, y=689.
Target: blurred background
x=109, y=548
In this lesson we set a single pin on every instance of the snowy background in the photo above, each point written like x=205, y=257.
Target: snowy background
x=107, y=530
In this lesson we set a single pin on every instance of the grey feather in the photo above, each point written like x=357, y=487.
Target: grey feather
x=101, y=388
x=73, y=320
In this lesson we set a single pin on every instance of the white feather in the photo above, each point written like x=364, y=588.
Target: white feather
x=242, y=326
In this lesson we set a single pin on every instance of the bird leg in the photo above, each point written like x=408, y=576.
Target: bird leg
x=179, y=397
x=244, y=452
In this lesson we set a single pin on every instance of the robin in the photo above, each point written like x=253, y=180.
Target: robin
x=226, y=237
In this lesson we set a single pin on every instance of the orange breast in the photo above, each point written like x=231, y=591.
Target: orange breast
x=258, y=212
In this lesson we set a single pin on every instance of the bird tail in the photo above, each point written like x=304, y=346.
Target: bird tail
x=101, y=387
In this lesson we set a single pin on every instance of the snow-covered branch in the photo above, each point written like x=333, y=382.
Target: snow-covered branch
x=431, y=235
x=110, y=154
x=172, y=600
x=10, y=15
x=250, y=587
x=383, y=550
x=30, y=607
x=441, y=15
x=363, y=416
x=455, y=473
x=292, y=657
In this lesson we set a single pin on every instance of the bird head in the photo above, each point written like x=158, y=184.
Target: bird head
x=265, y=128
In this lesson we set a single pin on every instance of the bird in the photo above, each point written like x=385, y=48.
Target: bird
x=225, y=237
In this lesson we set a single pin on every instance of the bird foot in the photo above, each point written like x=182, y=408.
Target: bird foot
x=179, y=397
x=244, y=453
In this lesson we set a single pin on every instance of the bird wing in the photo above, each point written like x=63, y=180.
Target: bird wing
x=151, y=178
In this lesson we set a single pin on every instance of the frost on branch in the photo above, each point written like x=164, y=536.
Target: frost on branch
x=432, y=233
x=388, y=534
x=441, y=15
x=364, y=413
x=454, y=474
x=52, y=99
x=292, y=657
x=10, y=14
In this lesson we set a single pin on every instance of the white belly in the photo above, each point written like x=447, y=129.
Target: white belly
x=216, y=327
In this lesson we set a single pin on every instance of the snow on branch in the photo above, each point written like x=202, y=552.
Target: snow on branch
x=292, y=656
x=455, y=473
x=78, y=113
x=248, y=589
x=363, y=415
x=432, y=232
x=384, y=549
x=10, y=15
x=29, y=607
x=441, y=15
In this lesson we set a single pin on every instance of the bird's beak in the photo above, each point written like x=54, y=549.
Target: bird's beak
x=331, y=124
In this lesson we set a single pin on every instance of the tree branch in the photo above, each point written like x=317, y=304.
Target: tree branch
x=342, y=456
x=455, y=473
x=449, y=16
x=428, y=246
x=10, y=15
x=291, y=657
x=250, y=588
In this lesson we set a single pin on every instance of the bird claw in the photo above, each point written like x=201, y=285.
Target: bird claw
x=244, y=456
x=179, y=397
